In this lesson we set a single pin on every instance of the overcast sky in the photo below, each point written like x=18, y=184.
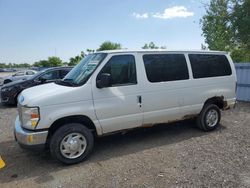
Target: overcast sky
x=31, y=30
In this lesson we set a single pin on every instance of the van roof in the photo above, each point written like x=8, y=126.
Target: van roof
x=163, y=50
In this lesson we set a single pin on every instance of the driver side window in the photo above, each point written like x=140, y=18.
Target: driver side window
x=122, y=69
x=52, y=75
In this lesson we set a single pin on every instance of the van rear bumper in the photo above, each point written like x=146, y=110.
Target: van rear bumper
x=29, y=138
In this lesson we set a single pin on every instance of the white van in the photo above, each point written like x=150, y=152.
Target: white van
x=111, y=91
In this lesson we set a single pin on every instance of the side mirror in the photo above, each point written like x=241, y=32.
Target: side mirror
x=42, y=80
x=103, y=80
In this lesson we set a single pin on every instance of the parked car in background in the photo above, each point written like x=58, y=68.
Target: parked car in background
x=10, y=91
x=7, y=70
x=39, y=68
x=17, y=76
x=112, y=91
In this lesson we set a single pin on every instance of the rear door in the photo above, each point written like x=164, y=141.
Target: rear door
x=19, y=75
x=165, y=81
x=118, y=107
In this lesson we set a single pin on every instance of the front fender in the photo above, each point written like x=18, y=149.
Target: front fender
x=49, y=114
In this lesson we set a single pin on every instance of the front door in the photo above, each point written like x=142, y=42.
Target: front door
x=118, y=107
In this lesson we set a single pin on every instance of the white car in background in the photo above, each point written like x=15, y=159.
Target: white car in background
x=16, y=76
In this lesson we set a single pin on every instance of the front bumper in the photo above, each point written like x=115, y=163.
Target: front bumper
x=1, y=81
x=29, y=138
x=7, y=97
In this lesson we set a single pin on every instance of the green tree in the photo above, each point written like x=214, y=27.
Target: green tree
x=41, y=63
x=226, y=26
x=107, y=45
x=152, y=45
x=216, y=25
x=75, y=60
x=55, y=61
x=241, y=23
x=90, y=51
x=240, y=55
x=51, y=62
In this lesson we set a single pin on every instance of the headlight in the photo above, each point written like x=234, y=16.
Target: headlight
x=29, y=117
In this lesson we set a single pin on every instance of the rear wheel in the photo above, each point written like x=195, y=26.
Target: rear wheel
x=71, y=143
x=209, y=118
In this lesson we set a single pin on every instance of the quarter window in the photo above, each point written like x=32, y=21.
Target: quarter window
x=122, y=70
x=209, y=65
x=165, y=67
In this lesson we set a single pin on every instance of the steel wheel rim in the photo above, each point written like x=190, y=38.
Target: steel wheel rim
x=73, y=145
x=212, y=118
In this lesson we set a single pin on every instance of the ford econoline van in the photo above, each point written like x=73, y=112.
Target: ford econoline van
x=112, y=91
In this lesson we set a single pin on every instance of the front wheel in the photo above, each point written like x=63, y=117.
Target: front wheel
x=209, y=118
x=71, y=143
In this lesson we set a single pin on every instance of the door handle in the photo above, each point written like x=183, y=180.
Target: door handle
x=139, y=100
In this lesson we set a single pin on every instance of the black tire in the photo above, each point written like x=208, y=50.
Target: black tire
x=7, y=81
x=201, y=119
x=59, y=136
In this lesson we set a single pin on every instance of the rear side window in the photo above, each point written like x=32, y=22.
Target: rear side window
x=208, y=65
x=165, y=67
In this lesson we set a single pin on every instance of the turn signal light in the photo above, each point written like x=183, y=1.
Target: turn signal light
x=34, y=116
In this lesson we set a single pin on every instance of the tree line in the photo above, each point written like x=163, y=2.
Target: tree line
x=56, y=61
x=226, y=27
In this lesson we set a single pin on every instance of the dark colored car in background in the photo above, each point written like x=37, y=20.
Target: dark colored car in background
x=10, y=91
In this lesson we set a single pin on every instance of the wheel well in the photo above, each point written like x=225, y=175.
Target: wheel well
x=84, y=120
x=7, y=81
x=17, y=96
x=217, y=101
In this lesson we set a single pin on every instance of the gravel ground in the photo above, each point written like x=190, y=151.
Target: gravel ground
x=171, y=155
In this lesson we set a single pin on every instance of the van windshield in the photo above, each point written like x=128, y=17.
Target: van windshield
x=83, y=70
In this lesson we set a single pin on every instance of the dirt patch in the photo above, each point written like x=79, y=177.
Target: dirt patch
x=171, y=155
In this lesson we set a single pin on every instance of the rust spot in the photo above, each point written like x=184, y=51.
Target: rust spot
x=148, y=125
x=225, y=105
x=189, y=116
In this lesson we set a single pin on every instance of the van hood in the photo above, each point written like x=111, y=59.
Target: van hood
x=53, y=94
